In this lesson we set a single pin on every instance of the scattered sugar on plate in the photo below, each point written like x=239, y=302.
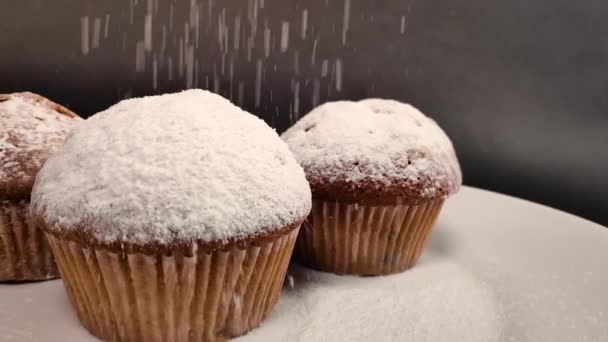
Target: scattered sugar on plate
x=175, y=167
x=434, y=302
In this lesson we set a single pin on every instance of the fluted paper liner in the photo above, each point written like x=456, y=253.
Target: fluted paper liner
x=24, y=251
x=210, y=296
x=345, y=238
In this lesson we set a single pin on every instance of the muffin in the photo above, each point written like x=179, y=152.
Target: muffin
x=31, y=129
x=379, y=171
x=172, y=218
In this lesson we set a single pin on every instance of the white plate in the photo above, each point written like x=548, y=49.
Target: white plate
x=496, y=269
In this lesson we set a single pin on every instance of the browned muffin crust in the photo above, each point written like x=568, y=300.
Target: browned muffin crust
x=373, y=193
x=186, y=248
x=18, y=185
x=393, y=191
x=41, y=100
x=374, y=151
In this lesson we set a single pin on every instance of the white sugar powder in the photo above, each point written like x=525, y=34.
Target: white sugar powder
x=377, y=140
x=175, y=167
x=29, y=132
x=435, y=302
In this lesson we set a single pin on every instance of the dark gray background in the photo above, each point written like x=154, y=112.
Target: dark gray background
x=520, y=86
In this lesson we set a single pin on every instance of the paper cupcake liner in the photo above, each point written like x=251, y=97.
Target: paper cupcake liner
x=347, y=238
x=205, y=297
x=24, y=251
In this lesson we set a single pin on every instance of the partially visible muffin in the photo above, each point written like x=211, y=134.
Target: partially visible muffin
x=172, y=217
x=31, y=129
x=379, y=171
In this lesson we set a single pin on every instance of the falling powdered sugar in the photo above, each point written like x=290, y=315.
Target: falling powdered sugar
x=378, y=141
x=436, y=302
x=172, y=168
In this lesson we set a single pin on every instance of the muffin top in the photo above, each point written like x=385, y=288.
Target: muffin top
x=374, y=151
x=31, y=129
x=171, y=169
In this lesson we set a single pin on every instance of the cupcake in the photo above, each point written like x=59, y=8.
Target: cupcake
x=31, y=129
x=172, y=218
x=379, y=171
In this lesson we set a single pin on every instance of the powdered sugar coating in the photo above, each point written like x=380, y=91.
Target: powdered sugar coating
x=375, y=141
x=172, y=168
x=31, y=129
